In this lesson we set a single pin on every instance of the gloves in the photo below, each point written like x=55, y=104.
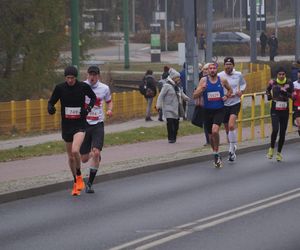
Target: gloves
x=51, y=109
x=269, y=97
x=84, y=112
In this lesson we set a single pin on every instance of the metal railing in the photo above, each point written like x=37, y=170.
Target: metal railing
x=31, y=115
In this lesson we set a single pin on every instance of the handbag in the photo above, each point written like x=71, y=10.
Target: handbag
x=197, y=118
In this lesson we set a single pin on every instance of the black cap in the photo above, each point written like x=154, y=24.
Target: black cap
x=229, y=59
x=94, y=69
x=281, y=69
x=71, y=71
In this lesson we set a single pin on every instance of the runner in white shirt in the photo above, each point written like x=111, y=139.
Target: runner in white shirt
x=233, y=103
x=94, y=137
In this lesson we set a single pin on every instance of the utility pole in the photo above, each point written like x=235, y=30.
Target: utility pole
x=209, y=18
x=126, y=34
x=276, y=18
x=133, y=16
x=297, y=9
x=191, y=51
x=253, y=28
x=166, y=25
x=241, y=9
x=75, y=33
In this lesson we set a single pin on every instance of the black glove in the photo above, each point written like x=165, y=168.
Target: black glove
x=51, y=109
x=269, y=97
x=84, y=111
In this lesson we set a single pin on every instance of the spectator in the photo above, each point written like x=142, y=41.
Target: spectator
x=168, y=101
x=148, y=90
x=295, y=69
x=273, y=46
x=202, y=47
x=183, y=86
x=160, y=84
x=263, y=43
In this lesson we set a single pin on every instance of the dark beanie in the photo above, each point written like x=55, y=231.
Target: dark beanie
x=280, y=69
x=229, y=59
x=71, y=71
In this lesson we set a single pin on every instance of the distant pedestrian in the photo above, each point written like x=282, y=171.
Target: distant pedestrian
x=212, y=88
x=263, y=43
x=160, y=84
x=93, y=141
x=294, y=71
x=74, y=110
x=148, y=90
x=202, y=48
x=279, y=91
x=273, y=46
x=168, y=101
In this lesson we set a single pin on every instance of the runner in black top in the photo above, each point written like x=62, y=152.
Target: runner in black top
x=279, y=91
x=71, y=94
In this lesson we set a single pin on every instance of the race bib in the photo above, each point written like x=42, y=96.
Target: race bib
x=298, y=107
x=72, y=112
x=94, y=115
x=281, y=105
x=213, y=96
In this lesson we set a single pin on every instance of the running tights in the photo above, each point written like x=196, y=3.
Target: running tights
x=279, y=123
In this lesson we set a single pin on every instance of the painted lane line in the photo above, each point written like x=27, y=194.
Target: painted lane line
x=186, y=227
x=217, y=222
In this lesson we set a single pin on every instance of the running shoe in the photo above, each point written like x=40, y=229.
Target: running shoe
x=79, y=182
x=232, y=155
x=75, y=191
x=218, y=161
x=89, y=189
x=270, y=153
x=279, y=157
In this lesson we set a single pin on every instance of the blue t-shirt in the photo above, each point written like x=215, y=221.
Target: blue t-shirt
x=213, y=95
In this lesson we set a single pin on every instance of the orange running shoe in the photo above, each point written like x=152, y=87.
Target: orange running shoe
x=79, y=182
x=75, y=191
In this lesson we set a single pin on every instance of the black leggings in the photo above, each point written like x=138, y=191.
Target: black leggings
x=279, y=123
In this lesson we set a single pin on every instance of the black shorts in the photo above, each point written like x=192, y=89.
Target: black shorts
x=213, y=116
x=68, y=134
x=94, y=138
x=231, y=110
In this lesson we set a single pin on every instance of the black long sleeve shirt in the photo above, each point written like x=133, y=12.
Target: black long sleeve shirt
x=72, y=100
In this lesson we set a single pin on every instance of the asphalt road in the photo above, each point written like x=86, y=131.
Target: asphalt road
x=251, y=204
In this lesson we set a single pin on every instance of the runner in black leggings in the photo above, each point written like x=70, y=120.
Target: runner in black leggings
x=279, y=91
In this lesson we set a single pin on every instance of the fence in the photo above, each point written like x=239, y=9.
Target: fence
x=31, y=115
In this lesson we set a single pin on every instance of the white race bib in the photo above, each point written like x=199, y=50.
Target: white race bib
x=72, y=112
x=281, y=105
x=214, y=96
x=93, y=115
x=298, y=107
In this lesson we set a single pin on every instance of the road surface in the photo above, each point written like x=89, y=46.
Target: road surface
x=251, y=204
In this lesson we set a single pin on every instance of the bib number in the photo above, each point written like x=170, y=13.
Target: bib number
x=281, y=105
x=72, y=112
x=213, y=96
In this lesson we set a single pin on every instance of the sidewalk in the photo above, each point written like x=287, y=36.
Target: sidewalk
x=38, y=175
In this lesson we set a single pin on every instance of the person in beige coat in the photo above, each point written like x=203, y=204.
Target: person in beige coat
x=169, y=100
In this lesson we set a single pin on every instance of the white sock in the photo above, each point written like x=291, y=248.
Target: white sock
x=232, y=140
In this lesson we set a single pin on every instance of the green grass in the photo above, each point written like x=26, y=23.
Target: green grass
x=127, y=137
x=142, y=134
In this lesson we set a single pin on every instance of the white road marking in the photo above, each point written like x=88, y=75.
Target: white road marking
x=210, y=221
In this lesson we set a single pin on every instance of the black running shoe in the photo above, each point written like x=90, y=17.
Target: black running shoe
x=218, y=161
x=89, y=189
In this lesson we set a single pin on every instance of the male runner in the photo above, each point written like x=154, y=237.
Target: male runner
x=212, y=88
x=71, y=94
x=232, y=104
x=93, y=141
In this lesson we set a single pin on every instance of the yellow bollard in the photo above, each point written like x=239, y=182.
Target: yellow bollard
x=42, y=115
x=262, y=117
x=239, y=121
x=252, y=116
x=13, y=113
x=28, y=115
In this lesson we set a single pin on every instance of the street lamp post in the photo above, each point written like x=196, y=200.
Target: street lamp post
x=119, y=37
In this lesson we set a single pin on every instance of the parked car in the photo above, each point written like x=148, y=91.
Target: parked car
x=230, y=37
